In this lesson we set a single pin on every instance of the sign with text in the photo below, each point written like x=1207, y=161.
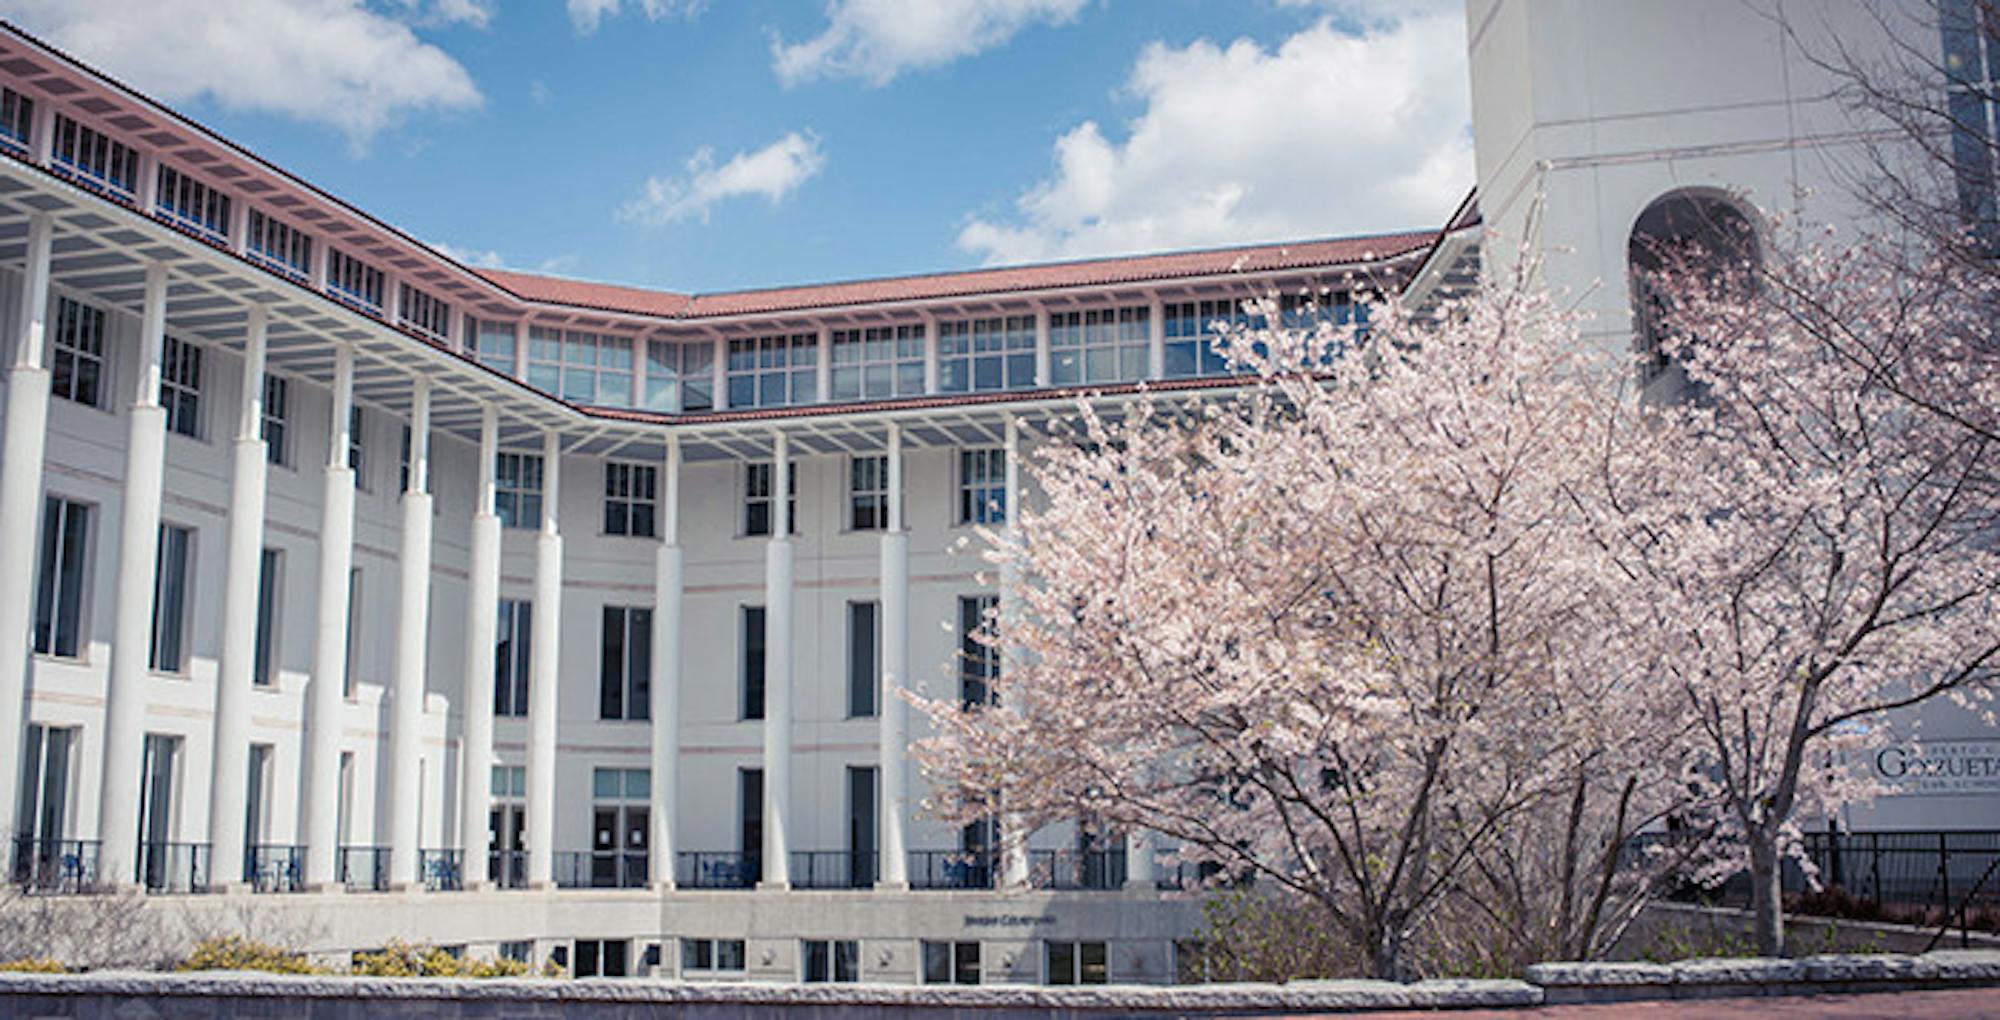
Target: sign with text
x=1941, y=766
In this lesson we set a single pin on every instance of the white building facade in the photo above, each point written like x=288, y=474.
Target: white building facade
x=552, y=618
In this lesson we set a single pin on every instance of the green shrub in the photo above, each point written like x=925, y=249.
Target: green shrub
x=34, y=965
x=234, y=952
x=402, y=959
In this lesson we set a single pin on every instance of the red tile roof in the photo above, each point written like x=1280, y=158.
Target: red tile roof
x=1340, y=251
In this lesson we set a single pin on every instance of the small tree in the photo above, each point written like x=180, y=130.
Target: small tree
x=1341, y=635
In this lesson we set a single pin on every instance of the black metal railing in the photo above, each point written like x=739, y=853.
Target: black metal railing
x=58, y=866
x=507, y=869
x=704, y=869
x=590, y=869
x=1076, y=869
x=833, y=869
x=364, y=868
x=440, y=869
x=274, y=867
x=1943, y=871
x=953, y=869
x=173, y=867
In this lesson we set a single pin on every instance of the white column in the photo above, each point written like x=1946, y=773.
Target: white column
x=1013, y=831
x=521, y=349
x=720, y=367
x=406, y=699
x=147, y=194
x=132, y=620
x=930, y=353
x=317, y=274
x=239, y=227
x=823, y=365
x=22, y=448
x=778, y=674
x=666, y=680
x=545, y=674
x=229, y=767
x=1041, y=346
x=42, y=135
x=482, y=617
x=893, y=712
x=326, y=691
x=1156, y=338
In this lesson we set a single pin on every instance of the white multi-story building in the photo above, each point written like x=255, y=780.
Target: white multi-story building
x=538, y=616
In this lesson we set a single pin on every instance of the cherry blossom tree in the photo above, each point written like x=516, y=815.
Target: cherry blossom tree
x=1366, y=633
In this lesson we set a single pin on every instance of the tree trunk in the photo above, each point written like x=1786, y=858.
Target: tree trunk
x=1767, y=895
x=1385, y=961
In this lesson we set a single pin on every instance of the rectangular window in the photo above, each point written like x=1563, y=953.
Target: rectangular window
x=836, y=961
x=17, y=120
x=92, y=158
x=424, y=312
x=982, y=486
x=703, y=955
x=180, y=386
x=631, y=495
x=1194, y=330
x=357, y=446
x=619, y=811
x=750, y=830
x=580, y=367
x=353, y=281
x=1971, y=68
x=878, y=362
x=277, y=416
x=61, y=577
x=601, y=958
x=864, y=669
x=868, y=493
x=951, y=963
x=76, y=365
x=270, y=567
x=171, y=577
x=517, y=497
x=757, y=506
x=513, y=645
x=772, y=371
x=1076, y=963
x=680, y=376
x=996, y=353
x=625, y=665
x=192, y=205
x=978, y=657
x=42, y=815
x=354, y=604
x=1098, y=345
x=492, y=344
x=278, y=245
x=750, y=639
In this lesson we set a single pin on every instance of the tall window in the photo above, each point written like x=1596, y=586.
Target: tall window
x=1098, y=345
x=180, y=386
x=1675, y=227
x=864, y=664
x=978, y=657
x=771, y=371
x=1075, y=963
x=580, y=367
x=757, y=505
x=351, y=674
x=868, y=493
x=1193, y=329
x=831, y=960
x=91, y=157
x=512, y=651
x=1972, y=66
x=76, y=364
x=493, y=344
x=750, y=639
x=424, y=312
x=951, y=963
x=17, y=119
x=279, y=245
x=517, y=498
x=170, y=599
x=353, y=280
x=264, y=659
x=995, y=353
x=357, y=445
x=619, y=811
x=630, y=498
x=877, y=362
x=61, y=577
x=277, y=418
x=625, y=665
x=680, y=376
x=188, y=202
x=982, y=486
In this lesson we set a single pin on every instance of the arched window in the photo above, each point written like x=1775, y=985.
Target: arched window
x=1709, y=227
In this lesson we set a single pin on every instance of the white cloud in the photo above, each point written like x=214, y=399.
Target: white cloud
x=477, y=13
x=771, y=172
x=875, y=40
x=586, y=15
x=333, y=62
x=489, y=258
x=1337, y=130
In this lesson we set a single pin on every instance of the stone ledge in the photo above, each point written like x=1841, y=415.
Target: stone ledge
x=1713, y=978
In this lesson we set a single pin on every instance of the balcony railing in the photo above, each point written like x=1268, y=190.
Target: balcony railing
x=507, y=869
x=833, y=869
x=440, y=869
x=1076, y=869
x=63, y=866
x=601, y=870
x=952, y=869
x=173, y=867
x=274, y=867
x=706, y=870
x=364, y=868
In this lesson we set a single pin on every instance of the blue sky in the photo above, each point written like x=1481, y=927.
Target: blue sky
x=716, y=145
